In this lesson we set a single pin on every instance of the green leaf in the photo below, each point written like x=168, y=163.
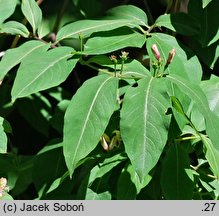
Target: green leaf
x=9, y=167
x=89, y=8
x=91, y=195
x=114, y=40
x=43, y=72
x=7, y=126
x=32, y=12
x=6, y=196
x=215, y=185
x=177, y=105
x=58, y=182
x=209, y=55
x=7, y=8
x=3, y=137
x=27, y=51
x=129, y=12
x=55, y=185
x=37, y=110
x=212, y=155
x=135, y=69
x=24, y=169
x=184, y=62
x=105, y=167
x=87, y=117
x=57, y=120
x=179, y=22
x=44, y=28
x=46, y=173
x=211, y=90
x=197, y=96
x=197, y=119
x=85, y=28
x=14, y=28
x=205, y=3
x=176, y=176
x=209, y=32
x=99, y=175
x=144, y=123
x=129, y=184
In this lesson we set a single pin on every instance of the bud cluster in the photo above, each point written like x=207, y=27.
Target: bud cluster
x=157, y=65
x=124, y=55
x=113, y=58
x=123, y=58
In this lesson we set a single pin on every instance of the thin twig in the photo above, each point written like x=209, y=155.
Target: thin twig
x=209, y=175
x=110, y=73
x=59, y=17
x=148, y=10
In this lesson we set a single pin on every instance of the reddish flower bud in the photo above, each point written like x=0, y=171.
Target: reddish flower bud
x=171, y=55
x=155, y=51
x=113, y=58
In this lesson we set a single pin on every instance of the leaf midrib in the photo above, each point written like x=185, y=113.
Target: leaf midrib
x=111, y=44
x=145, y=118
x=89, y=28
x=42, y=72
x=32, y=16
x=86, y=119
x=17, y=29
x=22, y=57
